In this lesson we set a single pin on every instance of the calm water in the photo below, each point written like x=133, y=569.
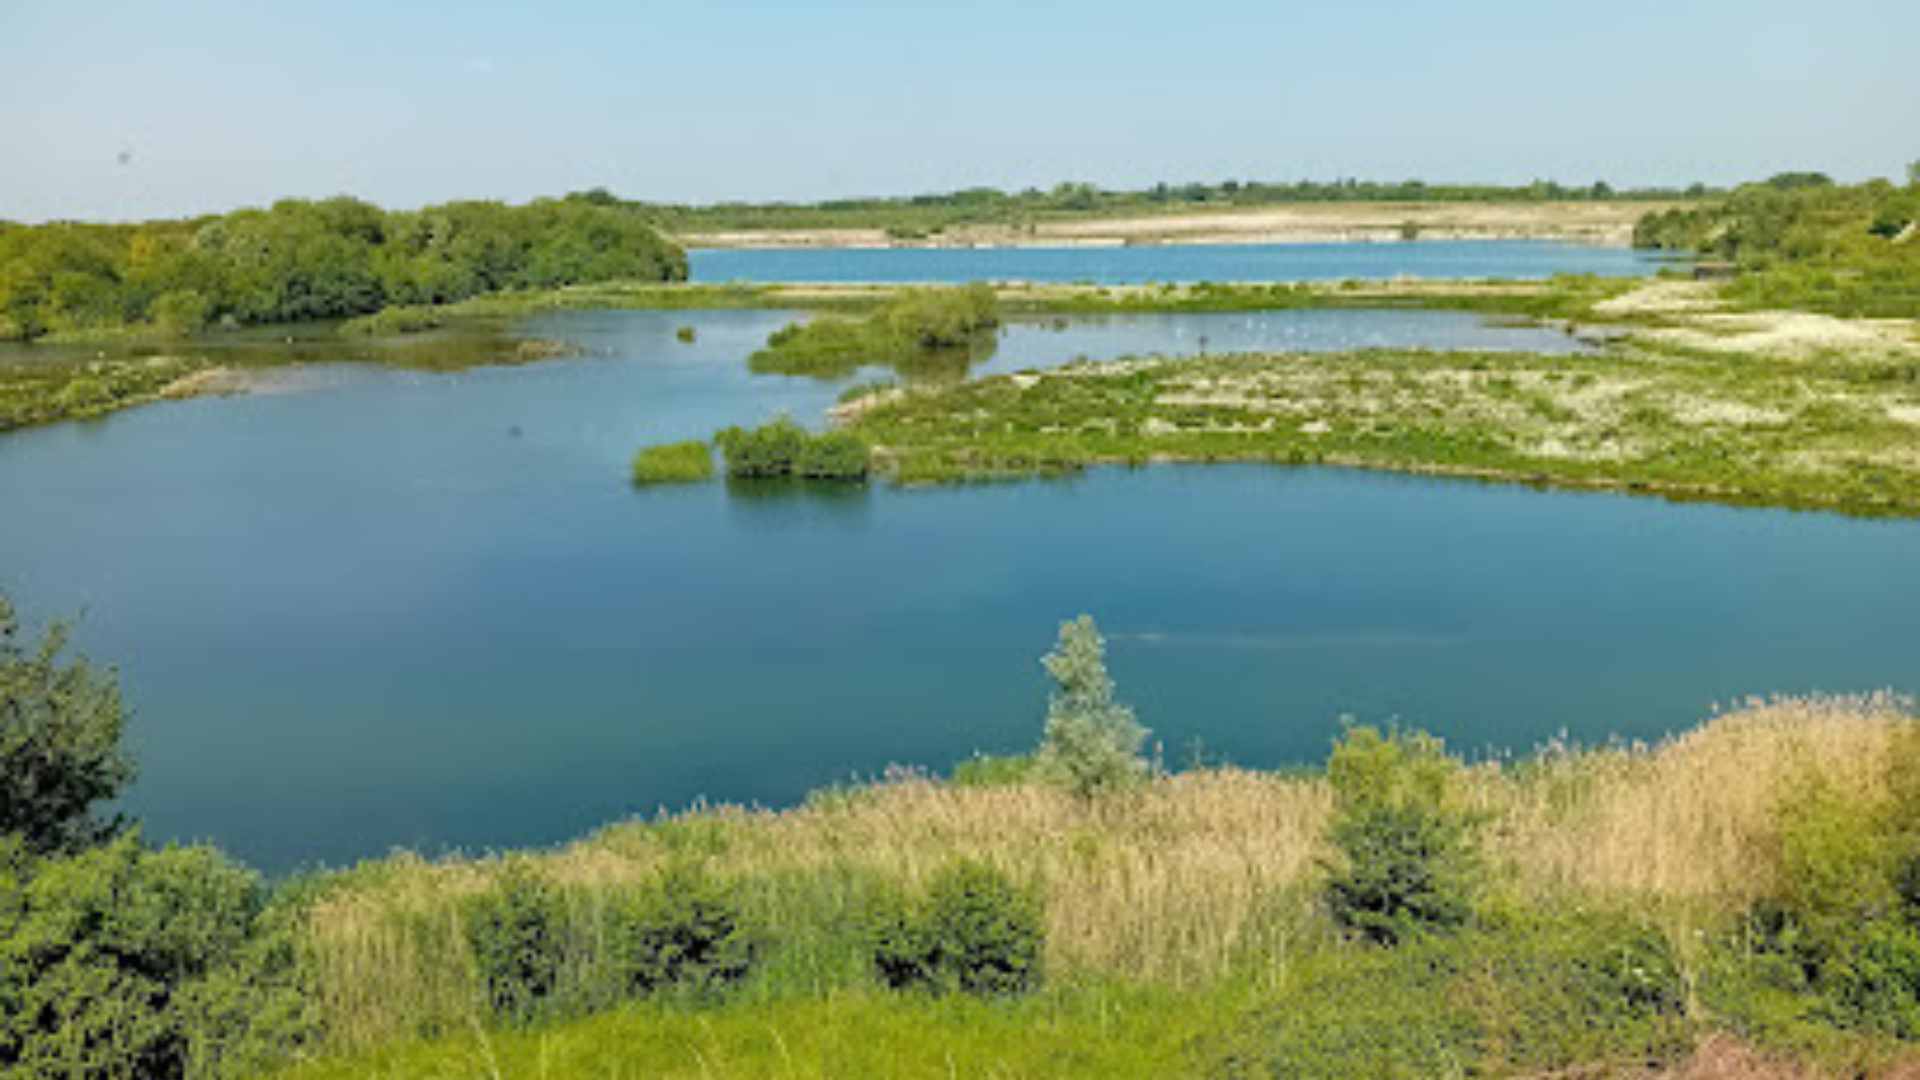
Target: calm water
x=1218, y=262
x=411, y=609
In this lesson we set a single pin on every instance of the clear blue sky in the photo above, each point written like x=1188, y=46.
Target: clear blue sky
x=221, y=104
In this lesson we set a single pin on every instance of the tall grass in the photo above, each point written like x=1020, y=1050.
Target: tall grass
x=1198, y=878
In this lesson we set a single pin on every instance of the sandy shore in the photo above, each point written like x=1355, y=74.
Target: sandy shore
x=1608, y=223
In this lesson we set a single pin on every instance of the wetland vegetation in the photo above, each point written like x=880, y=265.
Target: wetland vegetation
x=1742, y=890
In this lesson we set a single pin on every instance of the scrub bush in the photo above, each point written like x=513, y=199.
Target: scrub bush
x=673, y=463
x=515, y=932
x=1408, y=861
x=975, y=931
x=684, y=931
x=1092, y=742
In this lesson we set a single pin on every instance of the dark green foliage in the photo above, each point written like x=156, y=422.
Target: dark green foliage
x=976, y=931
x=304, y=260
x=783, y=448
x=60, y=753
x=684, y=931
x=123, y=962
x=515, y=932
x=835, y=455
x=685, y=335
x=1408, y=861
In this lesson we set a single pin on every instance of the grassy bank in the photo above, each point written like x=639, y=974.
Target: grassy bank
x=1185, y=933
x=1835, y=431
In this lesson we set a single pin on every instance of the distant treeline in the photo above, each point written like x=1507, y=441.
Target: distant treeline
x=305, y=260
x=991, y=206
x=1800, y=240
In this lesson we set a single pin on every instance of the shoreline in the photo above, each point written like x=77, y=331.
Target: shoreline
x=1607, y=224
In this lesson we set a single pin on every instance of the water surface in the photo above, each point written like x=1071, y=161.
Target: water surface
x=401, y=608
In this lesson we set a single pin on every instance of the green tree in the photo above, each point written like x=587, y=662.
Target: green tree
x=1092, y=742
x=1408, y=857
x=60, y=753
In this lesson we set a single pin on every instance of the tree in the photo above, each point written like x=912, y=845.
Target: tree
x=1092, y=742
x=1408, y=852
x=60, y=752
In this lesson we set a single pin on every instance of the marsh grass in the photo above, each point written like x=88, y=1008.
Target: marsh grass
x=673, y=463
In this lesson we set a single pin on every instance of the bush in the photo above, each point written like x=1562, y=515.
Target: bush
x=514, y=930
x=912, y=327
x=976, y=931
x=684, y=335
x=685, y=931
x=399, y=319
x=1408, y=858
x=182, y=312
x=672, y=463
x=836, y=455
x=1092, y=742
x=60, y=753
x=123, y=962
x=784, y=448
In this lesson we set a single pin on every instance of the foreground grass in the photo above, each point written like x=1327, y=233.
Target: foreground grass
x=1837, y=431
x=1082, y=1031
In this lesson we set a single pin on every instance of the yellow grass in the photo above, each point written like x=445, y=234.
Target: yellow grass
x=1200, y=875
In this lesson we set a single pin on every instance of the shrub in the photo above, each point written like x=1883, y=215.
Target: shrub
x=60, y=752
x=399, y=319
x=182, y=311
x=123, y=962
x=1092, y=742
x=975, y=931
x=684, y=931
x=1408, y=858
x=514, y=932
x=835, y=455
x=984, y=770
x=685, y=335
x=672, y=463
x=784, y=448
x=768, y=450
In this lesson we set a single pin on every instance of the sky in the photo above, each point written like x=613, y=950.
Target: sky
x=132, y=110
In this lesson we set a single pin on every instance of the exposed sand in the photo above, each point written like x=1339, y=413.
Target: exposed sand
x=1697, y=319
x=1302, y=223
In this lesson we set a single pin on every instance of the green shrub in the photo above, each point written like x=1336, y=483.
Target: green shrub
x=975, y=931
x=60, y=752
x=515, y=933
x=768, y=450
x=684, y=931
x=399, y=319
x=673, y=463
x=1092, y=742
x=123, y=962
x=985, y=770
x=784, y=448
x=182, y=311
x=835, y=455
x=1408, y=859
x=685, y=335
x=914, y=327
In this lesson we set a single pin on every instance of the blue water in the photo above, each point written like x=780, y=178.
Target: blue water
x=1177, y=263
x=388, y=608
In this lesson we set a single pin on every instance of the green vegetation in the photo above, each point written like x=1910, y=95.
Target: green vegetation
x=913, y=329
x=673, y=463
x=783, y=449
x=1092, y=742
x=1833, y=430
x=1801, y=241
x=1745, y=889
x=1407, y=857
x=304, y=260
x=684, y=335
x=401, y=319
x=976, y=931
x=919, y=217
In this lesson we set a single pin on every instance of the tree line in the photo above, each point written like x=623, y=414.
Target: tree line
x=306, y=259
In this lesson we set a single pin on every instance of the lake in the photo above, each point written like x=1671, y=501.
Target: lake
x=1177, y=262
x=390, y=608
